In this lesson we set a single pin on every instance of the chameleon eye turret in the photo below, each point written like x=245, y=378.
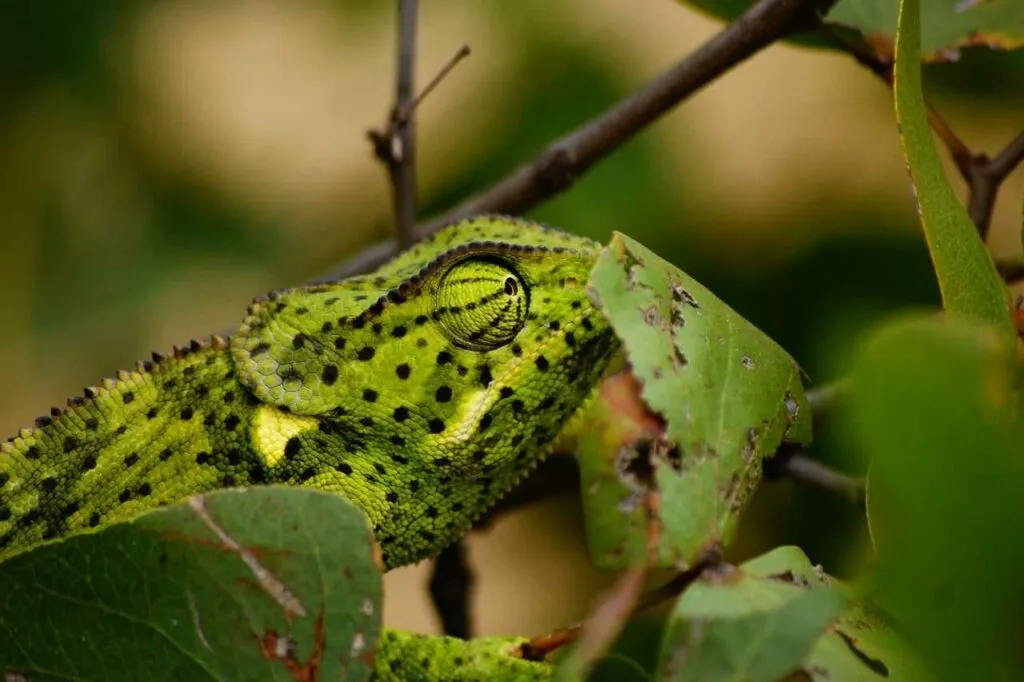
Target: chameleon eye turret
x=484, y=304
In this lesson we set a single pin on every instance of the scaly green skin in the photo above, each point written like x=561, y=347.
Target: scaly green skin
x=422, y=393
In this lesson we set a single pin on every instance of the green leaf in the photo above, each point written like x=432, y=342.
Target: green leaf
x=262, y=584
x=728, y=394
x=967, y=276
x=947, y=24
x=935, y=406
x=776, y=616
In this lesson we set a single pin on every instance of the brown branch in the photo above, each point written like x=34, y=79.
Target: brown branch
x=983, y=175
x=986, y=177
x=396, y=145
x=791, y=462
x=561, y=164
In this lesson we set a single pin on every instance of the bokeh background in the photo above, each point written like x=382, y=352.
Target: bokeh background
x=163, y=162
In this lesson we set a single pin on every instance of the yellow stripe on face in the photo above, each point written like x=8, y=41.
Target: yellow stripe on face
x=272, y=429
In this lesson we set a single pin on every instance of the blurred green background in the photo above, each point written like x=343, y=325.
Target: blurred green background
x=163, y=162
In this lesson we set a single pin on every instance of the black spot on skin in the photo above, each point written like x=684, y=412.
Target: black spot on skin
x=506, y=391
x=366, y=353
x=301, y=311
x=427, y=535
x=431, y=512
x=131, y=460
x=186, y=413
x=33, y=450
x=397, y=440
x=121, y=430
x=339, y=343
x=587, y=324
x=165, y=455
x=443, y=394
x=70, y=443
x=251, y=399
x=4, y=477
x=231, y=423
x=202, y=390
x=292, y=447
x=307, y=473
x=442, y=461
x=398, y=332
x=369, y=395
x=516, y=350
x=377, y=328
x=326, y=327
x=203, y=458
x=125, y=495
x=210, y=419
x=402, y=371
x=414, y=485
x=421, y=343
x=456, y=506
x=421, y=319
x=151, y=414
x=485, y=421
x=462, y=370
x=229, y=397
x=257, y=474
x=485, y=376
x=542, y=363
x=92, y=423
x=380, y=468
x=69, y=510
x=49, y=484
x=94, y=520
x=345, y=469
x=436, y=425
x=144, y=490
x=127, y=397
x=401, y=413
x=554, y=325
x=359, y=322
x=299, y=340
x=576, y=305
x=367, y=422
x=43, y=421
x=443, y=358
x=396, y=458
x=518, y=405
x=392, y=497
x=89, y=463
x=329, y=374
x=479, y=456
x=570, y=339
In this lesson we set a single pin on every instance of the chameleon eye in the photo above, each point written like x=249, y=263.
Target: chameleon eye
x=481, y=304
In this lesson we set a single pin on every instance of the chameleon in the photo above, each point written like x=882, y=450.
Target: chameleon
x=422, y=393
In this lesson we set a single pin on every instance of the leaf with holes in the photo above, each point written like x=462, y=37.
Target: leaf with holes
x=727, y=395
x=776, y=617
x=266, y=583
x=935, y=404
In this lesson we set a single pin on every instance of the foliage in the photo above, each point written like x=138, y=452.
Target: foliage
x=671, y=454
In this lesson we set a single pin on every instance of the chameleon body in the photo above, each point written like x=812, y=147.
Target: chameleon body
x=422, y=393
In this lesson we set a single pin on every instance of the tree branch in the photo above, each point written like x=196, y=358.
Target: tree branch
x=561, y=164
x=396, y=146
x=983, y=175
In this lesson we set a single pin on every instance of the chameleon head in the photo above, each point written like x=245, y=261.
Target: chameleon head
x=438, y=381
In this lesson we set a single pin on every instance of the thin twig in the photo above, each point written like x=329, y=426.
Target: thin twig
x=982, y=174
x=987, y=176
x=791, y=462
x=396, y=145
x=463, y=52
x=561, y=164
